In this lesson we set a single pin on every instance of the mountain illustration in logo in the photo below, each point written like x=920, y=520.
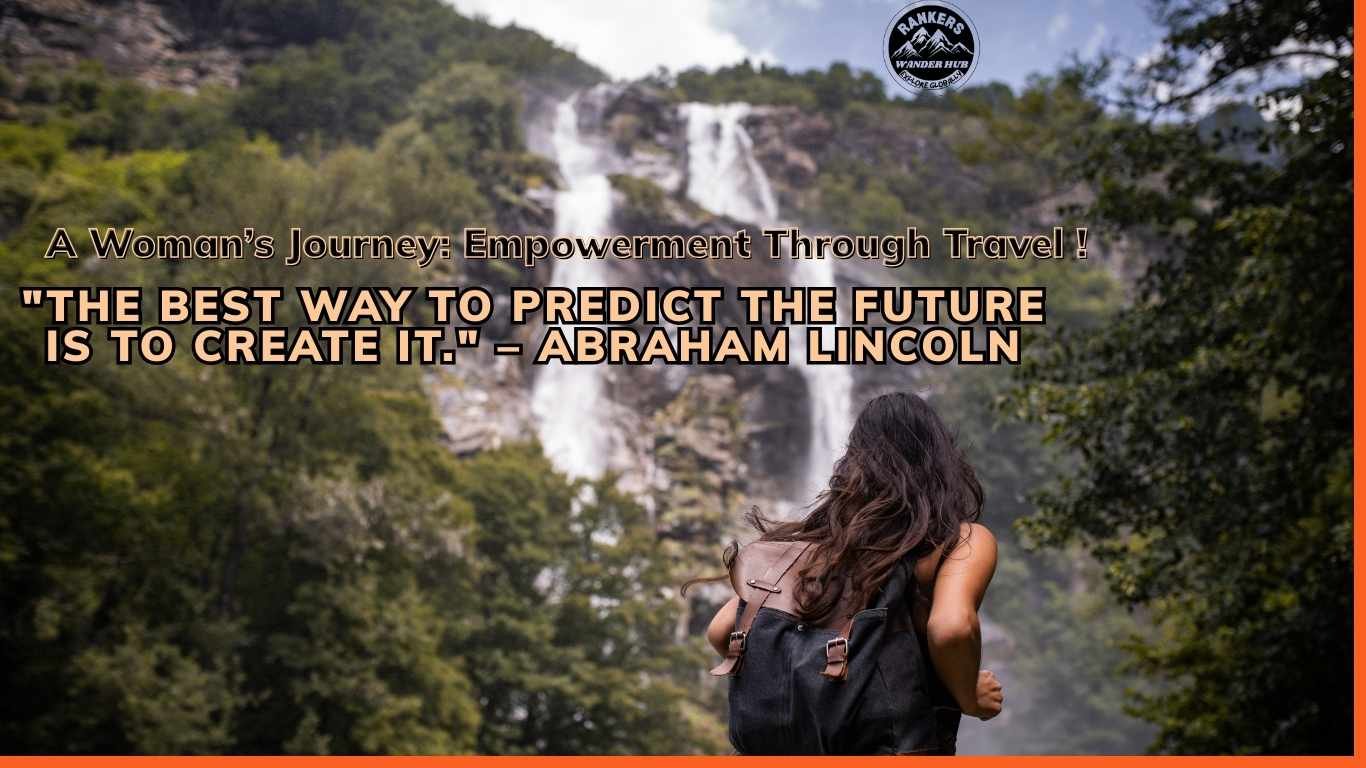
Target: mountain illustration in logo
x=926, y=46
x=930, y=45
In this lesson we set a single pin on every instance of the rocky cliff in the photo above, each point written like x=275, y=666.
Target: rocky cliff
x=156, y=44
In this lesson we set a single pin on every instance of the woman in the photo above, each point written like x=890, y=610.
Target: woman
x=834, y=616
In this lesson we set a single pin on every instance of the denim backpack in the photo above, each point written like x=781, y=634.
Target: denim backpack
x=862, y=684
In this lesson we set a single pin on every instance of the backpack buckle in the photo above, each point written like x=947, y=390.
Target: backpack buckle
x=735, y=653
x=836, y=658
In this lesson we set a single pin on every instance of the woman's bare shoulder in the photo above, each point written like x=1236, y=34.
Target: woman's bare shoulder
x=975, y=552
x=976, y=533
x=975, y=545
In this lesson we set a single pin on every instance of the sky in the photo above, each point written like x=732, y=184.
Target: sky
x=631, y=38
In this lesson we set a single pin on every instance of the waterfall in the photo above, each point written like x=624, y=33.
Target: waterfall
x=570, y=403
x=724, y=177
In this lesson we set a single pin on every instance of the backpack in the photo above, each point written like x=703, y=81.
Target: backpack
x=861, y=685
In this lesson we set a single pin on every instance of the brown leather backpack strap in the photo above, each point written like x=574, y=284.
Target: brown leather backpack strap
x=837, y=652
x=760, y=590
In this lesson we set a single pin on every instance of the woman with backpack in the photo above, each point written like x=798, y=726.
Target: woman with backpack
x=854, y=630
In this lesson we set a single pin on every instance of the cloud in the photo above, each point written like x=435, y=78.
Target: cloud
x=1094, y=41
x=1058, y=25
x=625, y=38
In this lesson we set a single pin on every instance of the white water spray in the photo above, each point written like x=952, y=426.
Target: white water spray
x=573, y=413
x=724, y=177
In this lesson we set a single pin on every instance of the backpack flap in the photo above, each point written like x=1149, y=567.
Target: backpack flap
x=763, y=571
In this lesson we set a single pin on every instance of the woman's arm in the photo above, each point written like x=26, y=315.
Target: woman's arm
x=718, y=631
x=953, y=631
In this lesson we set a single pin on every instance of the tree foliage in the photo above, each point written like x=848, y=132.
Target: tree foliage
x=831, y=89
x=199, y=559
x=1211, y=419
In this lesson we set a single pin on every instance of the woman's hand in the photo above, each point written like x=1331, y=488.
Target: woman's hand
x=990, y=696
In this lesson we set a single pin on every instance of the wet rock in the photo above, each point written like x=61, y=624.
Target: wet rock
x=640, y=114
x=786, y=140
x=699, y=439
x=480, y=403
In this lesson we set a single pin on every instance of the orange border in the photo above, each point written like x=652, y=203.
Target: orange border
x=981, y=761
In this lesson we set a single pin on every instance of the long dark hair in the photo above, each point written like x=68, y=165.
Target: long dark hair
x=903, y=487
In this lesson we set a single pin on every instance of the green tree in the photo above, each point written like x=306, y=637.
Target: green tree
x=305, y=577
x=575, y=630
x=1211, y=418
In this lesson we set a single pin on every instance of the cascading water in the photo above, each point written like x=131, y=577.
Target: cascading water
x=724, y=177
x=573, y=413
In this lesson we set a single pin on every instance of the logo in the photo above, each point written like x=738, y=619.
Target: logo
x=930, y=46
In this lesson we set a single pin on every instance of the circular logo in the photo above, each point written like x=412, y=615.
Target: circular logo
x=930, y=46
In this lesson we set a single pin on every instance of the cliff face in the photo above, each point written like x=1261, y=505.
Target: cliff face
x=643, y=138
x=150, y=43
x=674, y=448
